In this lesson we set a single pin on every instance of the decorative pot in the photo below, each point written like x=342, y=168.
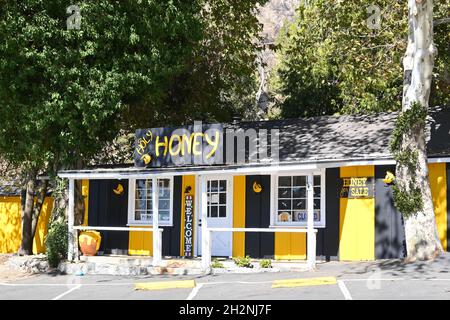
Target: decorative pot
x=89, y=242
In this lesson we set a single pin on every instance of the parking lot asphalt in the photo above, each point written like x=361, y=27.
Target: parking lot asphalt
x=388, y=279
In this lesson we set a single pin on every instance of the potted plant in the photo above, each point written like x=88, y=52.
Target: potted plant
x=89, y=242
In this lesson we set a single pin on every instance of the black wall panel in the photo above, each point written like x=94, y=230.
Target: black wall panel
x=108, y=209
x=389, y=229
x=171, y=235
x=328, y=238
x=257, y=215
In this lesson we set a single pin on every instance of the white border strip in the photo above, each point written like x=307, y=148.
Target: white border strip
x=67, y=292
x=344, y=290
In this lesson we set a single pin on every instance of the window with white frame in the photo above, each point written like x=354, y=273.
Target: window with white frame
x=141, y=210
x=291, y=200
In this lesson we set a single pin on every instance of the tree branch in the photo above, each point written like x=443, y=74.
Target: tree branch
x=441, y=21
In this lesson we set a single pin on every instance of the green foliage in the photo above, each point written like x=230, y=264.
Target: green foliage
x=407, y=202
x=330, y=61
x=265, y=263
x=62, y=91
x=56, y=243
x=216, y=264
x=414, y=117
x=243, y=262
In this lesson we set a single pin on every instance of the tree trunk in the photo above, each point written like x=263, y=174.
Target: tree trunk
x=422, y=239
x=26, y=246
x=40, y=198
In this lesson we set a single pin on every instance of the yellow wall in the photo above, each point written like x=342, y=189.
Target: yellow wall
x=85, y=193
x=186, y=181
x=357, y=221
x=438, y=184
x=11, y=225
x=140, y=243
x=239, y=215
x=290, y=246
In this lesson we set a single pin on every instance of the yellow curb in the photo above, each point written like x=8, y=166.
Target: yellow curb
x=290, y=283
x=164, y=285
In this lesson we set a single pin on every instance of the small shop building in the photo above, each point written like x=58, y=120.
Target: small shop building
x=250, y=188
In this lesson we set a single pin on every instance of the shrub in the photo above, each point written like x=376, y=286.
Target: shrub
x=265, y=263
x=216, y=264
x=56, y=243
x=243, y=262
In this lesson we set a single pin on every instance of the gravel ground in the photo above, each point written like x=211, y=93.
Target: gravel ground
x=8, y=274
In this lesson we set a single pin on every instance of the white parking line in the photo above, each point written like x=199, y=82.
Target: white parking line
x=344, y=290
x=67, y=292
x=194, y=291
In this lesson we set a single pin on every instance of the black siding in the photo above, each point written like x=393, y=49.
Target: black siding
x=328, y=238
x=389, y=228
x=108, y=209
x=257, y=215
x=171, y=235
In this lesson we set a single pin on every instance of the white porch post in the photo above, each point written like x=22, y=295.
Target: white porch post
x=72, y=253
x=311, y=236
x=156, y=233
x=206, y=235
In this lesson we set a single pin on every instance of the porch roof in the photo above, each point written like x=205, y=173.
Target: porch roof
x=309, y=143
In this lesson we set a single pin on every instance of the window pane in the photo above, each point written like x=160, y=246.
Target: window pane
x=149, y=205
x=284, y=193
x=164, y=183
x=222, y=198
x=164, y=193
x=223, y=185
x=222, y=211
x=140, y=194
x=284, y=181
x=317, y=180
x=139, y=205
x=164, y=204
x=164, y=215
x=300, y=216
x=316, y=203
x=284, y=204
x=214, y=198
x=214, y=212
x=298, y=192
x=140, y=184
x=284, y=216
x=300, y=181
x=316, y=192
x=214, y=185
x=300, y=204
x=137, y=215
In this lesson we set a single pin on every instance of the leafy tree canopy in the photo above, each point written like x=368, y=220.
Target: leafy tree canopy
x=334, y=59
x=62, y=91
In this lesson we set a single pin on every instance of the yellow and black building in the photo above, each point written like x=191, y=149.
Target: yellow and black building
x=347, y=156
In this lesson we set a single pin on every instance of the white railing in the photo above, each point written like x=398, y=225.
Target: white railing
x=157, y=245
x=206, y=248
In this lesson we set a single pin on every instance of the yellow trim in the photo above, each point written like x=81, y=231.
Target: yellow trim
x=357, y=221
x=239, y=215
x=140, y=243
x=290, y=283
x=290, y=246
x=85, y=193
x=186, y=181
x=438, y=185
x=160, y=285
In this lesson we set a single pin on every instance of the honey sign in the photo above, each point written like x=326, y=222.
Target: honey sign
x=355, y=188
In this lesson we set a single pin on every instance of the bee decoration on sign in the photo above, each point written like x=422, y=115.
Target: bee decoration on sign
x=389, y=179
x=257, y=188
x=119, y=189
x=147, y=158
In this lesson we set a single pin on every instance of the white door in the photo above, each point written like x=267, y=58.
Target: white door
x=219, y=211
